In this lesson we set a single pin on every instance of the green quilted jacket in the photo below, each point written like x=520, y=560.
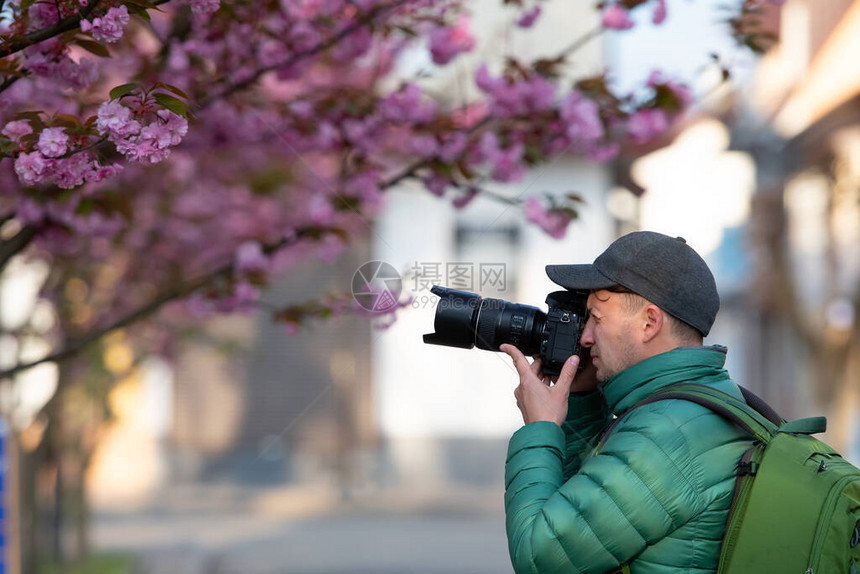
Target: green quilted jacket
x=655, y=496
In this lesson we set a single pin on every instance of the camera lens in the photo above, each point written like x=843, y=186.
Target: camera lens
x=504, y=322
x=465, y=320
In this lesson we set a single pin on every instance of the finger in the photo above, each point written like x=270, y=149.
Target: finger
x=521, y=364
x=536, y=367
x=568, y=372
x=518, y=395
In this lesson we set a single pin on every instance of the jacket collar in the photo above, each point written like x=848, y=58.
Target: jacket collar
x=633, y=384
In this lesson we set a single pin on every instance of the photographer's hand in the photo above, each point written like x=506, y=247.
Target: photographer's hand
x=586, y=376
x=537, y=398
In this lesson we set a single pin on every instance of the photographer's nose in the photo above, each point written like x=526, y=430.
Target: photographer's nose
x=587, y=339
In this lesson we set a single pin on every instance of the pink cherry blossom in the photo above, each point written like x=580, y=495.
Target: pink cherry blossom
x=30, y=167
x=507, y=164
x=168, y=130
x=470, y=194
x=205, y=7
x=453, y=147
x=17, y=129
x=604, y=153
x=437, y=184
x=406, y=105
x=330, y=248
x=53, y=142
x=150, y=143
x=645, y=125
x=102, y=172
x=72, y=171
x=448, y=42
x=485, y=82
x=615, y=17
x=511, y=98
x=553, y=222
x=116, y=121
x=199, y=307
x=143, y=149
x=365, y=187
x=581, y=115
x=110, y=27
x=250, y=258
x=423, y=145
x=528, y=17
x=659, y=12
x=78, y=75
x=536, y=94
x=681, y=91
x=42, y=15
x=50, y=59
x=354, y=45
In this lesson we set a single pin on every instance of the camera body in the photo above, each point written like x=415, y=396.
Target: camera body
x=466, y=320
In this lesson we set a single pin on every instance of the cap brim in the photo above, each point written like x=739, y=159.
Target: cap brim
x=579, y=277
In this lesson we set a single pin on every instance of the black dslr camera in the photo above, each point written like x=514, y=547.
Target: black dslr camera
x=467, y=320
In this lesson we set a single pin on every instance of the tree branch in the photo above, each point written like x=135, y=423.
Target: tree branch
x=7, y=83
x=581, y=41
x=410, y=170
x=14, y=245
x=296, y=58
x=37, y=36
x=176, y=292
x=60, y=27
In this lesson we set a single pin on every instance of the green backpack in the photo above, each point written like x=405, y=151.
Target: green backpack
x=796, y=507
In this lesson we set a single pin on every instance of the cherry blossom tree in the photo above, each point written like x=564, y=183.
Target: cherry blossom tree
x=183, y=153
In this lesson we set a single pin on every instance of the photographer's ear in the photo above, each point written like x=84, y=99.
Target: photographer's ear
x=654, y=321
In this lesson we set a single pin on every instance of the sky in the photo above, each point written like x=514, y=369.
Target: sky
x=681, y=46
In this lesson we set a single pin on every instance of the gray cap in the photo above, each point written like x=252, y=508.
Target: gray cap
x=662, y=269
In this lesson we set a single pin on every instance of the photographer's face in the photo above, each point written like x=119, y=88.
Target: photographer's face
x=609, y=334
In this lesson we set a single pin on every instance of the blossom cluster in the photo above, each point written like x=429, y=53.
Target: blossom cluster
x=140, y=143
x=48, y=161
x=34, y=168
x=553, y=222
x=447, y=42
x=110, y=27
x=616, y=16
x=52, y=61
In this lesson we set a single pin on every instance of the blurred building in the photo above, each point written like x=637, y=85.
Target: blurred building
x=800, y=121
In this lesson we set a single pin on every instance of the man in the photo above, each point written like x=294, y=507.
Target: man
x=653, y=498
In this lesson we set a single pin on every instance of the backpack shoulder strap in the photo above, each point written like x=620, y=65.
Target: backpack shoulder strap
x=730, y=408
x=759, y=404
x=755, y=406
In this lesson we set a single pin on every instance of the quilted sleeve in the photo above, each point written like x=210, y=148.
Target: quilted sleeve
x=634, y=493
x=586, y=419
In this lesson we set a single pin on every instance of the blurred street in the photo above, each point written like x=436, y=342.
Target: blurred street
x=227, y=529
